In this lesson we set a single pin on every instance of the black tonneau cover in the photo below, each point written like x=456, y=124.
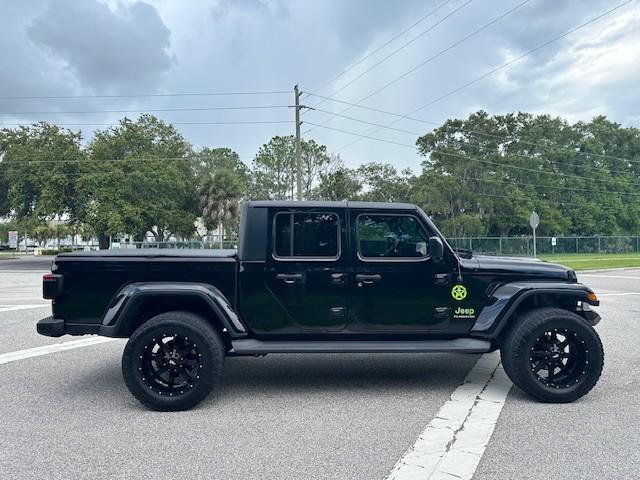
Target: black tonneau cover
x=152, y=253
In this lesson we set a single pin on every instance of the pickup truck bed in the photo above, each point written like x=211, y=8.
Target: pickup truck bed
x=98, y=276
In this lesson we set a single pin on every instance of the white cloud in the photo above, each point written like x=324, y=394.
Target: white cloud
x=67, y=47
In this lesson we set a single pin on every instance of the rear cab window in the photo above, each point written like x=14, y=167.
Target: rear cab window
x=306, y=235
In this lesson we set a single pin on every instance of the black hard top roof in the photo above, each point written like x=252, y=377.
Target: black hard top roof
x=330, y=204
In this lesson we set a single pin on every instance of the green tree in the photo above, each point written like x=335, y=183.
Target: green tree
x=316, y=162
x=383, y=183
x=140, y=179
x=208, y=161
x=275, y=169
x=38, y=170
x=578, y=177
x=340, y=184
x=463, y=225
x=220, y=195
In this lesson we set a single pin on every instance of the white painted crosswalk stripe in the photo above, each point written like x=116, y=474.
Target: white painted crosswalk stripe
x=453, y=443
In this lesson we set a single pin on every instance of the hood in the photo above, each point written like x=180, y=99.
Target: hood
x=520, y=266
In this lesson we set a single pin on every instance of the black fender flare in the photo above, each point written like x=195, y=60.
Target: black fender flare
x=123, y=309
x=505, y=300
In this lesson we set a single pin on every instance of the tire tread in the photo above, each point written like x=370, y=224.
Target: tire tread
x=207, y=383
x=514, y=356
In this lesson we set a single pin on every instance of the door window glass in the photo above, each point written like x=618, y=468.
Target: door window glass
x=391, y=236
x=282, y=227
x=307, y=235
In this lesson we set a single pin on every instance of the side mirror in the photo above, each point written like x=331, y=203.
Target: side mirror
x=436, y=249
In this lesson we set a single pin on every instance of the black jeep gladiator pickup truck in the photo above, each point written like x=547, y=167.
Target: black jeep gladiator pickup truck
x=325, y=277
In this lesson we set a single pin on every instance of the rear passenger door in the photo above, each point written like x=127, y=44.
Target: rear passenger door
x=306, y=268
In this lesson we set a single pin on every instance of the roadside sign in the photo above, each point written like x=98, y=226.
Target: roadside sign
x=534, y=220
x=554, y=241
x=13, y=239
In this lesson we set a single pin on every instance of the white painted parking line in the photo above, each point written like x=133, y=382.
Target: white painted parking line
x=453, y=443
x=617, y=294
x=47, y=349
x=11, y=308
x=595, y=275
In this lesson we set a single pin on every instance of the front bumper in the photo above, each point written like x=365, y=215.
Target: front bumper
x=591, y=317
x=56, y=327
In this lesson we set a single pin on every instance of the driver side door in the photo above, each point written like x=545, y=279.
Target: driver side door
x=394, y=288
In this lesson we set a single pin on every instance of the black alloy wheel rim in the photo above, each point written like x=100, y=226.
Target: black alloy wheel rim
x=559, y=358
x=170, y=364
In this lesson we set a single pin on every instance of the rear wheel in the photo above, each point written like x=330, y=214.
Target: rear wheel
x=553, y=355
x=173, y=361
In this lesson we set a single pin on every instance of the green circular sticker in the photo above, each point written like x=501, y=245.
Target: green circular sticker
x=459, y=292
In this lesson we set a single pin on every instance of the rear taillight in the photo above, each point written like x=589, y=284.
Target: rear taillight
x=51, y=285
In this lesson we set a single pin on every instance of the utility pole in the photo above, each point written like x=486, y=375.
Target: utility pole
x=296, y=93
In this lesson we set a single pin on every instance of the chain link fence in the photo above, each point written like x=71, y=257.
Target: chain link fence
x=515, y=246
x=523, y=246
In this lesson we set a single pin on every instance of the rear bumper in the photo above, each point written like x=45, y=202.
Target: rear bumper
x=56, y=327
x=51, y=327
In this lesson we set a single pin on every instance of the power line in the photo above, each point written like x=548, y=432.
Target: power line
x=562, y=174
x=361, y=135
x=172, y=123
x=480, y=145
x=511, y=62
x=533, y=170
x=562, y=202
x=435, y=56
x=544, y=185
x=18, y=161
x=368, y=123
x=557, y=187
x=203, y=109
x=391, y=40
x=402, y=47
x=477, y=132
x=468, y=157
x=140, y=95
x=505, y=65
x=84, y=161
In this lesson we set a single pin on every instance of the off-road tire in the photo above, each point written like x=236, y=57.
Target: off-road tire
x=519, y=342
x=210, y=351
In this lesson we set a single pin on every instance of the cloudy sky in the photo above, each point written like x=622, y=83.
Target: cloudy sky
x=60, y=48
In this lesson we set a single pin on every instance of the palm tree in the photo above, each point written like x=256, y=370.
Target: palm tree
x=220, y=195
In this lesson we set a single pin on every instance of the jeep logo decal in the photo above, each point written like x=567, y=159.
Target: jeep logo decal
x=459, y=292
x=461, y=312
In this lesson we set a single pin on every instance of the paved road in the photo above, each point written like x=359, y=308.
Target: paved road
x=30, y=263
x=597, y=437
x=68, y=415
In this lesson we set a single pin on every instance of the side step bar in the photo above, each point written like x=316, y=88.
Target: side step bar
x=459, y=345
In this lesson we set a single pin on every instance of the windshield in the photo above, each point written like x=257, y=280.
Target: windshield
x=461, y=252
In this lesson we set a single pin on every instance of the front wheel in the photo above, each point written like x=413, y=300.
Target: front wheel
x=553, y=355
x=173, y=361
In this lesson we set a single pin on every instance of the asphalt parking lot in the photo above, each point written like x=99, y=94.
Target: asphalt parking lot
x=68, y=414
